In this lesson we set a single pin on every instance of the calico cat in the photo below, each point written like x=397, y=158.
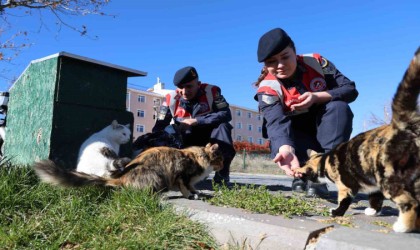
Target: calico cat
x=160, y=168
x=99, y=153
x=384, y=162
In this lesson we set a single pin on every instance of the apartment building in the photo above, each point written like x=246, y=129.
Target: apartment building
x=247, y=123
x=143, y=105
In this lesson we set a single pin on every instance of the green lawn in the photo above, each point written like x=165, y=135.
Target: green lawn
x=34, y=215
x=40, y=216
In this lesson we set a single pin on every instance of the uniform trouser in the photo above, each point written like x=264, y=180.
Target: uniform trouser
x=322, y=128
x=221, y=134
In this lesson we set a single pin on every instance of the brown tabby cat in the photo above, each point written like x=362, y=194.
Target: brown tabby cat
x=161, y=168
x=384, y=161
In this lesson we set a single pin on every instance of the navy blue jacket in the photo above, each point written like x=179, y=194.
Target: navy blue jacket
x=215, y=118
x=277, y=125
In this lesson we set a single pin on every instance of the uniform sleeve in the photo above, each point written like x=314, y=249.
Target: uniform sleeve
x=278, y=125
x=340, y=87
x=221, y=111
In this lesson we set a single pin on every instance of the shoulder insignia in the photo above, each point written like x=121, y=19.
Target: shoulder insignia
x=269, y=99
x=220, y=102
x=328, y=67
x=324, y=62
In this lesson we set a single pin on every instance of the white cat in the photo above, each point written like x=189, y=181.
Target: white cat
x=99, y=153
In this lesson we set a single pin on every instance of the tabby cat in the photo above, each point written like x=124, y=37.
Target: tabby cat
x=161, y=168
x=384, y=162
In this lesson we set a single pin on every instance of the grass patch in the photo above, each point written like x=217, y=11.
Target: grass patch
x=41, y=216
x=382, y=224
x=254, y=164
x=260, y=200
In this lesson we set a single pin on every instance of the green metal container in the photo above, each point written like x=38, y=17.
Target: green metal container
x=58, y=102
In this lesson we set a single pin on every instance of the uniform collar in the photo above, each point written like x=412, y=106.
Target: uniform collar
x=296, y=77
x=200, y=92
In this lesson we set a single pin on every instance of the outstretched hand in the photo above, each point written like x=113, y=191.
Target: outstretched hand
x=288, y=162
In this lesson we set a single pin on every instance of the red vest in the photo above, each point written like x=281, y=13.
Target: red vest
x=313, y=80
x=172, y=100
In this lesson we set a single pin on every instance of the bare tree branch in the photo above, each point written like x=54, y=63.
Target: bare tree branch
x=376, y=121
x=17, y=40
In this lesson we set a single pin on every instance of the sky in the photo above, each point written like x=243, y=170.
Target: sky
x=371, y=42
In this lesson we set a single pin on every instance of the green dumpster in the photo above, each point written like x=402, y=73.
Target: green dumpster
x=58, y=102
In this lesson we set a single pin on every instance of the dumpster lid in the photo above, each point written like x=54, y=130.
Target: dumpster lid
x=129, y=71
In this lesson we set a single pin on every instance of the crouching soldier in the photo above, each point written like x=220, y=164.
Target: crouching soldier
x=201, y=115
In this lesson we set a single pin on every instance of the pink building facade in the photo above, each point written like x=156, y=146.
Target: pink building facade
x=247, y=123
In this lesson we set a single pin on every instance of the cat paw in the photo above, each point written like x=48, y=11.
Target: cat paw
x=371, y=212
x=335, y=212
x=193, y=197
x=115, y=173
x=121, y=163
x=400, y=227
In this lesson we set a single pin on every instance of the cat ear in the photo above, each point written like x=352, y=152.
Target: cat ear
x=311, y=152
x=128, y=125
x=214, y=147
x=114, y=124
x=208, y=145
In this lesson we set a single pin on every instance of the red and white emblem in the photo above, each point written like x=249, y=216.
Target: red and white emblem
x=318, y=84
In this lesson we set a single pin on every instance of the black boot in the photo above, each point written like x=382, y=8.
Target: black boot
x=299, y=185
x=221, y=179
x=317, y=190
x=222, y=176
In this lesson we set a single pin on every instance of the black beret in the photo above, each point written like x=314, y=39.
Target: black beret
x=186, y=74
x=272, y=43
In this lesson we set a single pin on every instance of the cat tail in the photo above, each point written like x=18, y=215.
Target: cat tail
x=404, y=104
x=49, y=172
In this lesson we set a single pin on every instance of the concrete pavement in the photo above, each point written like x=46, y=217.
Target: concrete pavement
x=262, y=231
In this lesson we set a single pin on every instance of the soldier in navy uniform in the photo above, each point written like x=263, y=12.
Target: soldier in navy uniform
x=304, y=101
x=201, y=115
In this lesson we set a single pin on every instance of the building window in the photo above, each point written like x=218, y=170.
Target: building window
x=239, y=138
x=249, y=127
x=250, y=139
x=239, y=125
x=140, y=113
x=141, y=98
x=259, y=117
x=238, y=112
x=249, y=115
x=127, y=96
x=140, y=128
x=260, y=141
x=259, y=129
x=156, y=102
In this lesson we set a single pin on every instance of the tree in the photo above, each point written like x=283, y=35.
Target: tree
x=13, y=41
